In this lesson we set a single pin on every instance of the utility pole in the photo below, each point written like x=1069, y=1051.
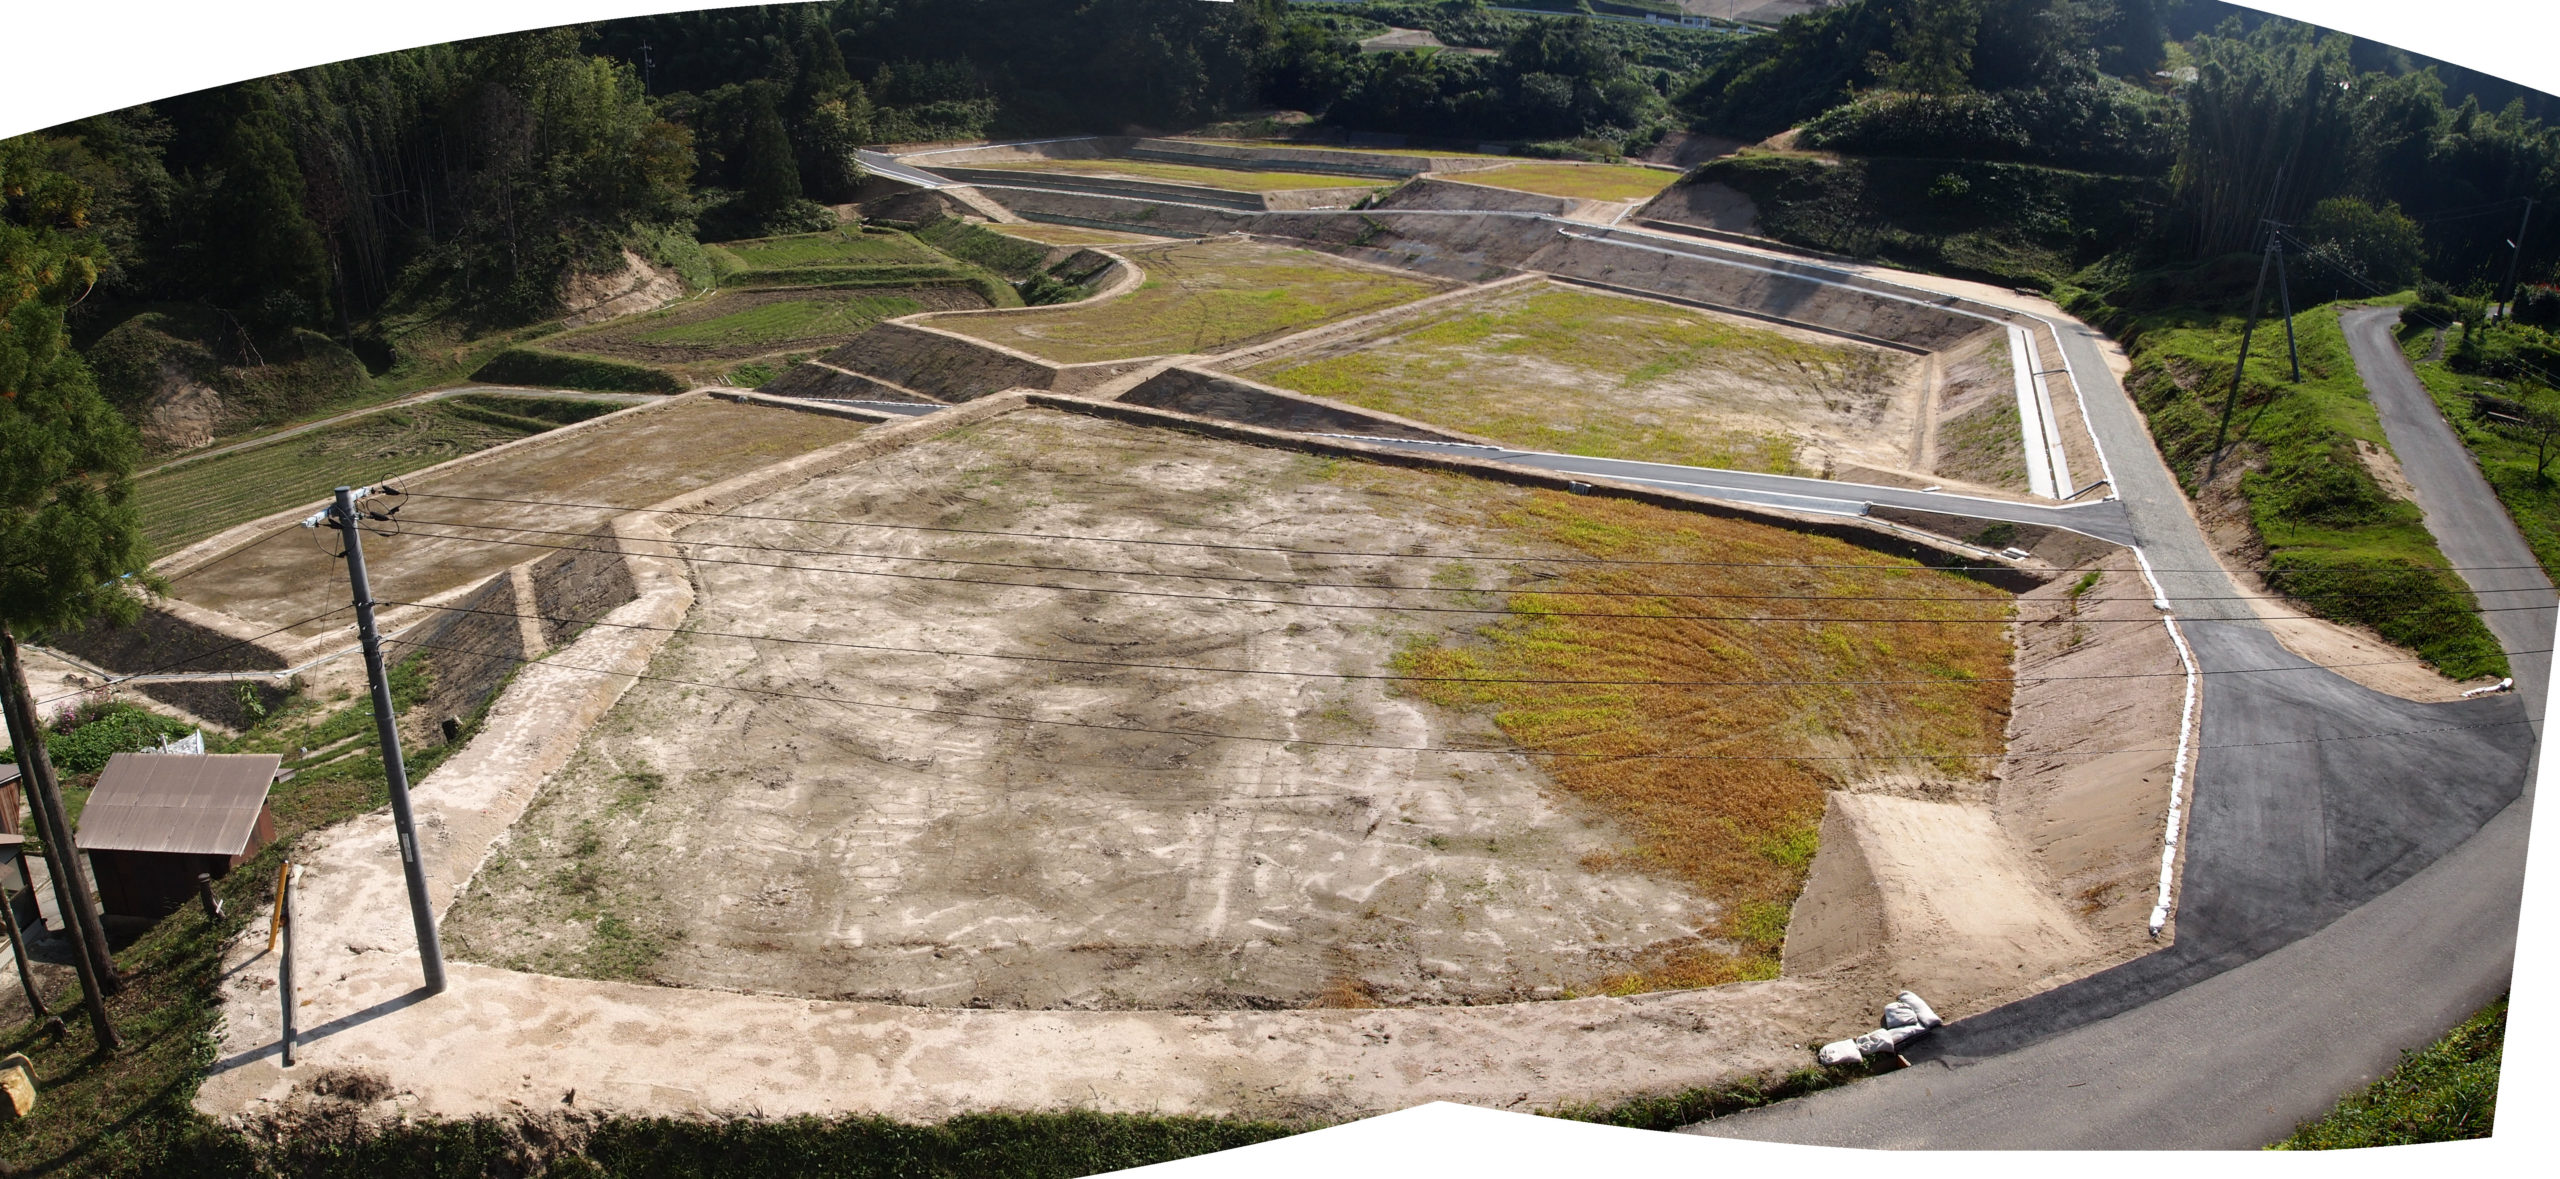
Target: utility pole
x=2231, y=400
x=2515, y=254
x=62, y=857
x=2284, y=291
x=344, y=517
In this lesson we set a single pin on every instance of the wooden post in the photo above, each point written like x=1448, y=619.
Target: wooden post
x=204, y=892
x=284, y=965
x=18, y=950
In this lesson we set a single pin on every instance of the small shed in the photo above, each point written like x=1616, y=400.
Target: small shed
x=155, y=820
x=9, y=802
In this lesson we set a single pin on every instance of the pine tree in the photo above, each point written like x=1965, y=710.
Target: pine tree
x=263, y=256
x=771, y=175
x=70, y=536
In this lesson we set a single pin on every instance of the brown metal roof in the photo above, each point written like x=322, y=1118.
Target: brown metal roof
x=8, y=772
x=203, y=803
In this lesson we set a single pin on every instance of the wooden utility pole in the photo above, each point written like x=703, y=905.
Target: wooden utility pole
x=2231, y=400
x=71, y=893
x=2284, y=291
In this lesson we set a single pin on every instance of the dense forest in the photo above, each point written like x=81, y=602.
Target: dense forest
x=287, y=239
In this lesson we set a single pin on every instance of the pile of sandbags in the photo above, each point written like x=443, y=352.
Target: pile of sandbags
x=1907, y=1018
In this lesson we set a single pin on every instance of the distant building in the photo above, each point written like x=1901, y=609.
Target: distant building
x=155, y=820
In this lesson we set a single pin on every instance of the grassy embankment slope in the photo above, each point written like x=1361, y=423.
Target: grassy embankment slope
x=2445, y=1092
x=189, y=501
x=2520, y=466
x=2336, y=540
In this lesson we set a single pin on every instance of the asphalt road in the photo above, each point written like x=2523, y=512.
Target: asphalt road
x=2344, y=896
x=2105, y=520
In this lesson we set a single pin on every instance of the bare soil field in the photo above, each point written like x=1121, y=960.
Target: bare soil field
x=1023, y=785
x=1552, y=367
x=630, y=461
x=1200, y=296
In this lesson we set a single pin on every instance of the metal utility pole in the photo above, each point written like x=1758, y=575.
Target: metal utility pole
x=2515, y=254
x=62, y=857
x=2231, y=400
x=349, y=523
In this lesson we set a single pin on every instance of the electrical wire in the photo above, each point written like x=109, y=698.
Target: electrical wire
x=1381, y=607
x=1441, y=589
x=614, y=510
x=1390, y=677
x=1203, y=734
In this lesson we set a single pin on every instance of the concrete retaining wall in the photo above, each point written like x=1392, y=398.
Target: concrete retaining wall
x=939, y=364
x=1235, y=399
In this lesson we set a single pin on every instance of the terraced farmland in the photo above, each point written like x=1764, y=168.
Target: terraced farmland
x=1590, y=182
x=1203, y=296
x=191, y=501
x=1232, y=179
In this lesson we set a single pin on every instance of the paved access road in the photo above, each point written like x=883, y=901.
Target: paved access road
x=2343, y=897
x=2105, y=520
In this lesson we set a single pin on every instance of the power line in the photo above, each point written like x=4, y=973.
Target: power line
x=1382, y=607
x=232, y=645
x=1451, y=749
x=1438, y=589
x=1147, y=666
x=611, y=509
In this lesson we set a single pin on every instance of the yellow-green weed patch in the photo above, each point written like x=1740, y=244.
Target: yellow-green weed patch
x=1578, y=372
x=1202, y=296
x=1697, y=762
x=1590, y=182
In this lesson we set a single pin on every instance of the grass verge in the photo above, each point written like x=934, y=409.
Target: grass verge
x=1741, y=831
x=2445, y=1092
x=2336, y=541
x=2520, y=463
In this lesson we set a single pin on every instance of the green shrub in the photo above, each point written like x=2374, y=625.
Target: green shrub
x=533, y=366
x=1011, y=257
x=2446, y=1092
x=98, y=733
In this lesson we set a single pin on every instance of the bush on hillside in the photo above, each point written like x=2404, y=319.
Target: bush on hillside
x=2098, y=124
x=2538, y=306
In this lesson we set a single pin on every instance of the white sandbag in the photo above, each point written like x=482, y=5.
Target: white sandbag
x=1901, y=1015
x=1928, y=1015
x=1883, y=1041
x=1840, y=1052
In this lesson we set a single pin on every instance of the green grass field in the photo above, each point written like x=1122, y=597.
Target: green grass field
x=2337, y=541
x=1590, y=182
x=1565, y=370
x=779, y=323
x=1233, y=179
x=2445, y=1092
x=190, y=501
x=839, y=248
x=1204, y=296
